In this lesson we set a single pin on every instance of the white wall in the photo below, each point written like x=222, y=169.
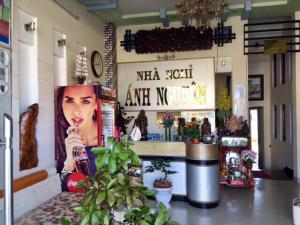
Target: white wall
x=261, y=64
x=234, y=50
x=87, y=31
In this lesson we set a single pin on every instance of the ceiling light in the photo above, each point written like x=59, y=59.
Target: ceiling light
x=201, y=11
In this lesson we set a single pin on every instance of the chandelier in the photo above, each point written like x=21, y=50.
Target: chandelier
x=200, y=11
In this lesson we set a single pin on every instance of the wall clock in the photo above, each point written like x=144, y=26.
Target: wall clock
x=97, y=64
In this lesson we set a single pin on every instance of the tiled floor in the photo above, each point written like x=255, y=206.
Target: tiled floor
x=269, y=203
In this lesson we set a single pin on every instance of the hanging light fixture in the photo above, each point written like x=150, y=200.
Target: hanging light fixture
x=200, y=11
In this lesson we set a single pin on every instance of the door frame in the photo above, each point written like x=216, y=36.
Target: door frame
x=261, y=141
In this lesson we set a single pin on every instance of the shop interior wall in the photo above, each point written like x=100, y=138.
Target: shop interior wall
x=86, y=31
x=261, y=64
x=233, y=50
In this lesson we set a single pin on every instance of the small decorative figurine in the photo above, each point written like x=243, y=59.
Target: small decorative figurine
x=181, y=126
x=142, y=122
x=205, y=127
x=245, y=130
x=233, y=124
x=121, y=122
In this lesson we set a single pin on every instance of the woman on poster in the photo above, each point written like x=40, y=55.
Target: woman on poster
x=76, y=127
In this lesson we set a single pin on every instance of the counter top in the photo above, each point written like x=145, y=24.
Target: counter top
x=159, y=148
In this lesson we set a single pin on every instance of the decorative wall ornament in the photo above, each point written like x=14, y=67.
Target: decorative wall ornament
x=129, y=41
x=177, y=39
x=61, y=42
x=173, y=39
x=223, y=34
x=28, y=144
x=29, y=26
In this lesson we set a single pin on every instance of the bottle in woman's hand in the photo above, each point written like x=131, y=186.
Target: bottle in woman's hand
x=81, y=158
x=76, y=154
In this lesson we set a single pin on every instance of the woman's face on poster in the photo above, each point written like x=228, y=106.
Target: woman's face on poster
x=79, y=105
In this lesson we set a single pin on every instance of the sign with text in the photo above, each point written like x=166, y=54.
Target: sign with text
x=167, y=85
x=275, y=46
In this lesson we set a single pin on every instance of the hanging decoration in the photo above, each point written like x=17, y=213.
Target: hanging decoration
x=196, y=35
x=201, y=12
x=81, y=70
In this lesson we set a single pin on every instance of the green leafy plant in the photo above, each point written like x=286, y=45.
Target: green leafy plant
x=163, y=166
x=143, y=216
x=112, y=186
x=191, y=132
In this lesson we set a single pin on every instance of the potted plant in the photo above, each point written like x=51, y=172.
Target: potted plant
x=162, y=186
x=193, y=133
x=248, y=157
x=224, y=105
x=143, y=216
x=112, y=188
x=168, y=121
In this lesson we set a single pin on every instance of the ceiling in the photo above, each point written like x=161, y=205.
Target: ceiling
x=131, y=12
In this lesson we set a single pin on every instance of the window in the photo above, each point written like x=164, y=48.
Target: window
x=282, y=69
x=274, y=121
x=291, y=124
x=274, y=74
x=282, y=123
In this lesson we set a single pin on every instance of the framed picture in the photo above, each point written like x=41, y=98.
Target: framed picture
x=5, y=23
x=256, y=87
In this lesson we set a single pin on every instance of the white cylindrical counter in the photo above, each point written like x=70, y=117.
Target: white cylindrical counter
x=203, y=175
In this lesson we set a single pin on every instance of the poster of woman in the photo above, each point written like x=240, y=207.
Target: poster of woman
x=76, y=131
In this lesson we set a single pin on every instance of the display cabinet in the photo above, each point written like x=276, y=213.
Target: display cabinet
x=234, y=171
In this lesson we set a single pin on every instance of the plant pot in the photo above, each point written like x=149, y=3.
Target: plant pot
x=118, y=215
x=161, y=183
x=296, y=211
x=163, y=195
x=195, y=140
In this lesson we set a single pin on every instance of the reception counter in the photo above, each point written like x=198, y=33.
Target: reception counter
x=197, y=166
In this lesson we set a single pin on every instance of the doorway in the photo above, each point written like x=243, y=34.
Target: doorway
x=282, y=108
x=257, y=135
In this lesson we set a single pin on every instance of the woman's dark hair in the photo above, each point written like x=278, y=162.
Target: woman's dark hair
x=62, y=125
